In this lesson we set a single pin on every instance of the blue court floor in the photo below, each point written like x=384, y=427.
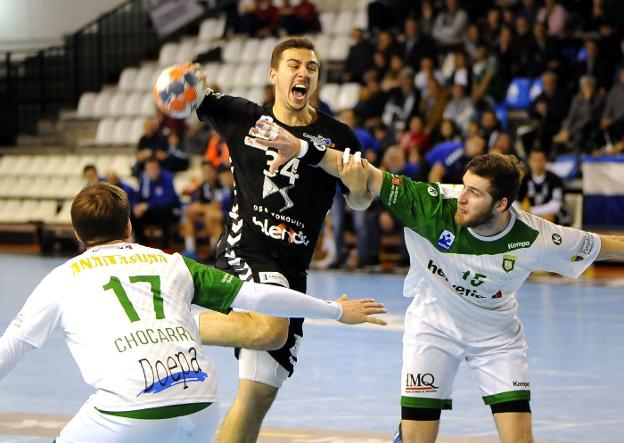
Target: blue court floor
x=347, y=378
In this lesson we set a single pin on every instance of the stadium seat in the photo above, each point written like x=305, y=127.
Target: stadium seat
x=327, y=19
x=102, y=104
x=121, y=134
x=212, y=71
x=147, y=108
x=53, y=164
x=46, y=211
x=186, y=52
x=265, y=50
x=122, y=164
x=136, y=129
x=168, y=54
x=145, y=78
x=232, y=51
x=518, y=93
x=72, y=166
x=360, y=19
x=55, y=185
x=330, y=94
x=322, y=43
x=249, y=53
x=37, y=163
x=117, y=106
x=242, y=76
x=21, y=166
x=259, y=75
x=64, y=215
x=344, y=22
x=536, y=88
x=86, y=105
x=133, y=104
x=103, y=164
x=255, y=95
x=127, y=79
x=211, y=29
x=21, y=186
x=349, y=96
x=8, y=207
x=105, y=132
x=225, y=79
x=72, y=187
x=7, y=164
x=5, y=186
x=339, y=48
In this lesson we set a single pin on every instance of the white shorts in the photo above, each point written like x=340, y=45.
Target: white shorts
x=89, y=425
x=260, y=366
x=431, y=359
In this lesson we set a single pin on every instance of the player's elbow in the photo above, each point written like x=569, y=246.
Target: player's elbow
x=269, y=333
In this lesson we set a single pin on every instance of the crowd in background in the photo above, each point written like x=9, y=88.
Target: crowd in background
x=434, y=77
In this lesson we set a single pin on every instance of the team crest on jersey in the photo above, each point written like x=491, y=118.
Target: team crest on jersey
x=446, y=239
x=509, y=263
x=556, y=238
x=321, y=143
x=432, y=191
x=397, y=181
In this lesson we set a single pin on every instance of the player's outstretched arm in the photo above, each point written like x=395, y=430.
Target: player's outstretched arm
x=283, y=302
x=11, y=351
x=611, y=247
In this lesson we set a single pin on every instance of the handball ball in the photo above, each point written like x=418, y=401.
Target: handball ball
x=179, y=90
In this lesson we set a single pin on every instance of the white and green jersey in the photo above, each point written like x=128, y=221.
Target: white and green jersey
x=125, y=312
x=464, y=282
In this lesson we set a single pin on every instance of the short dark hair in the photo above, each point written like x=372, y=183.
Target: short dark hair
x=504, y=172
x=290, y=43
x=100, y=214
x=89, y=167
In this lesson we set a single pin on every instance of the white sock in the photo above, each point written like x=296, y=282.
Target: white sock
x=189, y=244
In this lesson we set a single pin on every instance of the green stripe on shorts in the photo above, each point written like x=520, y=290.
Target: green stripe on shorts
x=432, y=403
x=506, y=396
x=161, y=412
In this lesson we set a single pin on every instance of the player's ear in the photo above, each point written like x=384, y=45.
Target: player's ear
x=501, y=205
x=273, y=75
x=128, y=230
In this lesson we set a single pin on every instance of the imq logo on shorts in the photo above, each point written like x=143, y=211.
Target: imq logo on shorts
x=420, y=382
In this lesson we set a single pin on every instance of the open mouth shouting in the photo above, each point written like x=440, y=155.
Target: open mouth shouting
x=299, y=91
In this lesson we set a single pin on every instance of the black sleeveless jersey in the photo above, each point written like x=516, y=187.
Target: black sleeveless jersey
x=275, y=218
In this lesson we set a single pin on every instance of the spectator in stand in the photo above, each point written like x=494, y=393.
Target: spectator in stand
x=380, y=65
x=487, y=84
x=426, y=18
x=360, y=57
x=391, y=79
x=387, y=45
x=157, y=202
x=503, y=145
x=472, y=40
x=320, y=105
x=492, y=25
x=490, y=127
x=554, y=16
x=113, y=178
x=547, y=54
x=528, y=9
x=523, y=44
x=432, y=106
x=217, y=151
x=506, y=56
x=541, y=191
x=459, y=71
x=450, y=26
x=370, y=146
x=299, y=17
x=387, y=14
x=595, y=66
x=460, y=108
x=555, y=111
x=166, y=125
x=258, y=18
x=416, y=45
x=427, y=70
x=151, y=141
x=448, y=132
x=402, y=102
x=204, y=210
x=613, y=115
x=384, y=136
x=175, y=158
x=415, y=137
x=90, y=174
x=372, y=100
x=448, y=160
x=580, y=128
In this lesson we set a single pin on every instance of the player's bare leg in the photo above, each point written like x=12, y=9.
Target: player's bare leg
x=244, y=419
x=514, y=427
x=417, y=431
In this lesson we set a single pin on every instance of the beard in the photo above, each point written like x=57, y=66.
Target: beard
x=476, y=219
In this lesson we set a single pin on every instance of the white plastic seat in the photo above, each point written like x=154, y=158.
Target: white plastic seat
x=21, y=166
x=64, y=215
x=211, y=29
x=122, y=165
x=186, y=52
x=322, y=44
x=232, y=51
x=121, y=135
x=136, y=130
x=349, y=95
x=329, y=94
x=265, y=49
x=22, y=187
x=54, y=188
x=5, y=186
x=37, y=164
x=53, y=165
x=103, y=163
x=117, y=106
x=46, y=211
x=36, y=186
x=327, y=19
x=102, y=104
x=127, y=79
x=168, y=54
x=145, y=78
x=8, y=207
x=344, y=23
x=361, y=19
x=250, y=51
x=339, y=48
x=24, y=212
x=255, y=95
x=86, y=105
x=242, y=76
x=147, y=108
x=71, y=167
x=7, y=164
x=105, y=132
x=133, y=104
x=226, y=76
x=72, y=187
x=259, y=75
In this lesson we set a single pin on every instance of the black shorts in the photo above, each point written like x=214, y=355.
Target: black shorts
x=266, y=273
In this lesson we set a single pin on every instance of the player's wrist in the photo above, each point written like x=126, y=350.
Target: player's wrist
x=311, y=154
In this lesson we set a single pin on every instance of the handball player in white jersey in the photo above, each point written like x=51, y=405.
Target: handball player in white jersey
x=124, y=310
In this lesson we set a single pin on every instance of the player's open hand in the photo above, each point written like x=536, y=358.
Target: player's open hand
x=360, y=311
x=270, y=134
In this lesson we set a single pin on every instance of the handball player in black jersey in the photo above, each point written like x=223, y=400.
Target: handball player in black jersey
x=276, y=216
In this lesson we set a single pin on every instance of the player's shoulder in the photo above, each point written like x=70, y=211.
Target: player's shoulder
x=331, y=123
